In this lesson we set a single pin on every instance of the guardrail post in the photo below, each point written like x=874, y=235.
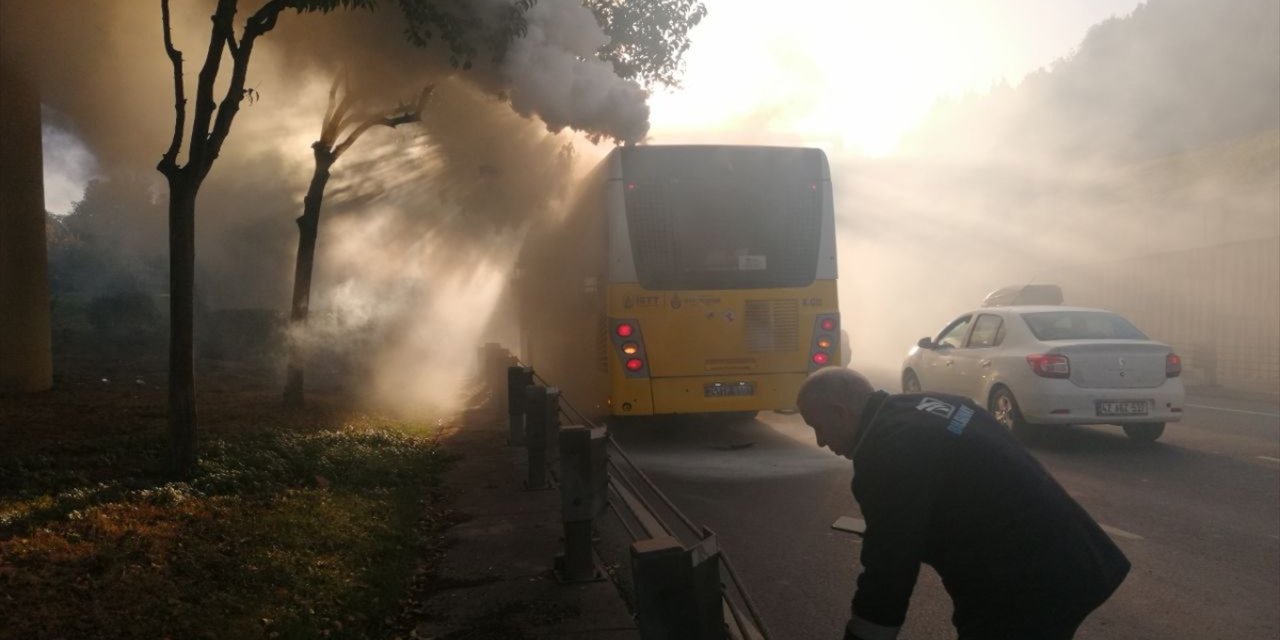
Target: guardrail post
x=493, y=362
x=583, y=482
x=518, y=380
x=550, y=445
x=541, y=420
x=678, y=593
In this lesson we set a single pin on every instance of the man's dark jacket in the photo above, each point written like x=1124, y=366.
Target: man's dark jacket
x=940, y=481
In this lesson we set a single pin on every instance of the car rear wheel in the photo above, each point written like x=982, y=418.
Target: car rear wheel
x=910, y=383
x=1005, y=409
x=1144, y=432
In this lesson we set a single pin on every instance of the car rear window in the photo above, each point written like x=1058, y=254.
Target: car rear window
x=1081, y=325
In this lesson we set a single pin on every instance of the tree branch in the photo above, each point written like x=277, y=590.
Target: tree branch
x=169, y=161
x=392, y=121
x=222, y=22
x=327, y=125
x=231, y=43
x=355, y=135
x=338, y=121
x=261, y=22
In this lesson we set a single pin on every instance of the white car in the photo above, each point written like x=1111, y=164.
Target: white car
x=1046, y=365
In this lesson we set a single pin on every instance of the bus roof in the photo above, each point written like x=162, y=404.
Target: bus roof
x=614, y=158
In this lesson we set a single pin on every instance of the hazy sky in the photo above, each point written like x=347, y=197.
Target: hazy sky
x=858, y=73
x=851, y=74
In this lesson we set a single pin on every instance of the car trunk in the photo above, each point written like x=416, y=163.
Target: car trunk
x=1115, y=364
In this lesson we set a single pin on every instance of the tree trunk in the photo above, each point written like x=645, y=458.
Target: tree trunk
x=182, y=257
x=308, y=228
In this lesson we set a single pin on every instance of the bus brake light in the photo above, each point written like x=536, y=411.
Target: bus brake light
x=635, y=364
x=821, y=358
x=625, y=330
x=828, y=324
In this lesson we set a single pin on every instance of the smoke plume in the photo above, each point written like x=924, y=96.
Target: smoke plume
x=553, y=72
x=420, y=223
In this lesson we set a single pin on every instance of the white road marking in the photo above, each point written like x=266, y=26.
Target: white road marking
x=1120, y=532
x=1269, y=458
x=1250, y=413
x=852, y=525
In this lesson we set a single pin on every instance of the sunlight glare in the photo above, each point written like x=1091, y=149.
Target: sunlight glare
x=856, y=75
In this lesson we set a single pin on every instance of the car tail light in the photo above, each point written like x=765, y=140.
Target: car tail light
x=1050, y=365
x=625, y=330
x=1172, y=365
x=635, y=364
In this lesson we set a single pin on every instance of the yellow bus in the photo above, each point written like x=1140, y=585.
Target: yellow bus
x=686, y=280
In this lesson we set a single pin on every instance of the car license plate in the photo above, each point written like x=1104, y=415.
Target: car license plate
x=728, y=389
x=1123, y=407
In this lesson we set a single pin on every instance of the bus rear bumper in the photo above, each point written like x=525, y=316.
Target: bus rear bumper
x=720, y=393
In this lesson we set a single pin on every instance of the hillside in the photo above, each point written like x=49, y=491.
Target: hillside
x=1173, y=76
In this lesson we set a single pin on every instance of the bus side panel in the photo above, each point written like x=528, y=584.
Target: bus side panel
x=562, y=291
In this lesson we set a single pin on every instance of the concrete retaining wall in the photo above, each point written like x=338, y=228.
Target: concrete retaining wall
x=1219, y=307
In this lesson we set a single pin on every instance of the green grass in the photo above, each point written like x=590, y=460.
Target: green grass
x=283, y=532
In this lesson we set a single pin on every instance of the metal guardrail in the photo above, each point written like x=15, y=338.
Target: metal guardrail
x=644, y=510
x=632, y=485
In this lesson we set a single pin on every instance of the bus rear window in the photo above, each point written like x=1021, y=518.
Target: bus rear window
x=717, y=218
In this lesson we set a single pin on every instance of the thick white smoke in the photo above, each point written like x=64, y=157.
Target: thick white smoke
x=420, y=223
x=554, y=72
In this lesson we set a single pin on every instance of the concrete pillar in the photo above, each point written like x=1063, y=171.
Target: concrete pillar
x=26, y=362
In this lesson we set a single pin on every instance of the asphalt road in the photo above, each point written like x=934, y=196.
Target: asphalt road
x=1197, y=513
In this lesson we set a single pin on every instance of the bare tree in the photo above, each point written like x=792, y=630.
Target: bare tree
x=454, y=23
x=458, y=24
x=340, y=116
x=207, y=135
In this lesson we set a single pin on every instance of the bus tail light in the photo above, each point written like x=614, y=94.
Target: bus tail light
x=629, y=344
x=1050, y=365
x=825, y=340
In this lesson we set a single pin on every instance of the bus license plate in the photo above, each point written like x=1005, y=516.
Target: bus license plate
x=728, y=389
x=1122, y=407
